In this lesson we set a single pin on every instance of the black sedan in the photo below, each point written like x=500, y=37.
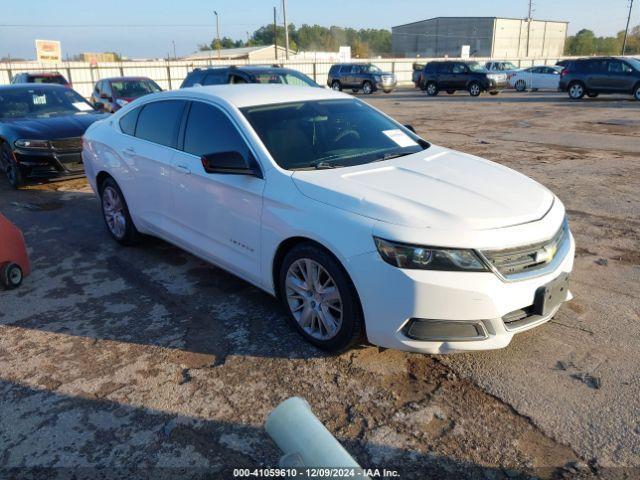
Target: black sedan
x=41, y=128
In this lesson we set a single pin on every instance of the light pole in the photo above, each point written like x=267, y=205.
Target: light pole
x=175, y=57
x=286, y=29
x=217, y=32
x=529, y=27
x=626, y=31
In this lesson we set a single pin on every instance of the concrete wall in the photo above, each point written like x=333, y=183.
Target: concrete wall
x=445, y=36
x=547, y=38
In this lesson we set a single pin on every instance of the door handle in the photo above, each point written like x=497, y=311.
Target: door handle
x=183, y=169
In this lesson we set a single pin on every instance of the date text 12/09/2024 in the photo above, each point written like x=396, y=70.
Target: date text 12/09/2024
x=315, y=473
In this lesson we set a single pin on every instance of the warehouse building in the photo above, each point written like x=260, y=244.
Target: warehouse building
x=486, y=37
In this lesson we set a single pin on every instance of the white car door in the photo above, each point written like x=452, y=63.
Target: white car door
x=148, y=156
x=551, y=78
x=216, y=215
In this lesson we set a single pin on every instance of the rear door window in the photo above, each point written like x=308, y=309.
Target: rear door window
x=215, y=78
x=158, y=122
x=459, y=68
x=445, y=67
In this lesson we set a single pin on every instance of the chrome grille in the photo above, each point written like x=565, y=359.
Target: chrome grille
x=66, y=144
x=529, y=258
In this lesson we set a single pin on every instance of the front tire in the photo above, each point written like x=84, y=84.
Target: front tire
x=494, y=93
x=12, y=169
x=451, y=92
x=431, y=89
x=335, y=85
x=115, y=213
x=321, y=302
x=10, y=275
x=576, y=91
x=636, y=92
x=474, y=89
x=367, y=88
x=592, y=94
x=520, y=86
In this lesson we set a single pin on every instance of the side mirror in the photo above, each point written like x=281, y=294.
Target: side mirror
x=232, y=162
x=410, y=127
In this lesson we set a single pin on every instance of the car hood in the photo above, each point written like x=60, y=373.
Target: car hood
x=41, y=128
x=435, y=188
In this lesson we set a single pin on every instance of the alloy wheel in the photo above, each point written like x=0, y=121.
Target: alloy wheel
x=366, y=88
x=314, y=299
x=521, y=86
x=431, y=89
x=576, y=91
x=474, y=89
x=113, y=208
x=15, y=276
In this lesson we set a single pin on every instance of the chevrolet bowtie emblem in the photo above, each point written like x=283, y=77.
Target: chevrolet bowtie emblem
x=545, y=254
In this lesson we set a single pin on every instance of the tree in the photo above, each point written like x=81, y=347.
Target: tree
x=586, y=43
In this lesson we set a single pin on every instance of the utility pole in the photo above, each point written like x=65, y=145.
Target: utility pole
x=286, y=29
x=175, y=57
x=217, y=32
x=275, y=33
x=626, y=31
x=529, y=26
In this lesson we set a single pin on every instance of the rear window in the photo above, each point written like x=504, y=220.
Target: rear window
x=57, y=79
x=214, y=78
x=128, y=122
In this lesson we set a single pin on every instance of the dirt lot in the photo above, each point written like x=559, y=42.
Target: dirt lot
x=148, y=363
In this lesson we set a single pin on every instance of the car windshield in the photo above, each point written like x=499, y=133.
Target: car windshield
x=133, y=88
x=286, y=78
x=509, y=66
x=476, y=67
x=58, y=79
x=329, y=134
x=41, y=102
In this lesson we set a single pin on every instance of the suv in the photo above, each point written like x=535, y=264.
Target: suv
x=40, y=77
x=111, y=94
x=592, y=76
x=247, y=74
x=452, y=76
x=360, y=76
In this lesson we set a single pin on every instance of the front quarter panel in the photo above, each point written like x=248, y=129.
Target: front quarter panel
x=288, y=214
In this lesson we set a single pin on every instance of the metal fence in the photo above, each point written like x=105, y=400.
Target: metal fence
x=170, y=74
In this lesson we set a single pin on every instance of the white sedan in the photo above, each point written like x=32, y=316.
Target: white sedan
x=364, y=230
x=536, y=78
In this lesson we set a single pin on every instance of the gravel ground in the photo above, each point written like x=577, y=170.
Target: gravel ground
x=146, y=362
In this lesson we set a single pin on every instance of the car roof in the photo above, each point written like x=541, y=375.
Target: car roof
x=251, y=94
x=43, y=74
x=31, y=86
x=246, y=68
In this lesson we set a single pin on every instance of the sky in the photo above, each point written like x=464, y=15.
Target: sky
x=148, y=28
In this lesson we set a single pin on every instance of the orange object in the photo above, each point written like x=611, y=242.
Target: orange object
x=13, y=251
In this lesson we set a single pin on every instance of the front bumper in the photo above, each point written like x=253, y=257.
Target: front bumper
x=46, y=163
x=392, y=297
x=386, y=85
x=495, y=85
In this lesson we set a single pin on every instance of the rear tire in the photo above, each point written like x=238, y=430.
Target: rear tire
x=474, y=89
x=10, y=275
x=115, y=213
x=12, y=169
x=576, y=91
x=494, y=93
x=335, y=85
x=298, y=297
x=592, y=94
x=451, y=92
x=432, y=89
x=636, y=92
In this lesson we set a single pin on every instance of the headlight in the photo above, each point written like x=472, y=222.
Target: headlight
x=426, y=258
x=377, y=78
x=121, y=102
x=35, y=144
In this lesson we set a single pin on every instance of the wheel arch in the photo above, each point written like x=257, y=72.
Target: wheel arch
x=287, y=245
x=101, y=177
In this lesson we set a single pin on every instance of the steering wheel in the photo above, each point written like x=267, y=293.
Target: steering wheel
x=346, y=134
